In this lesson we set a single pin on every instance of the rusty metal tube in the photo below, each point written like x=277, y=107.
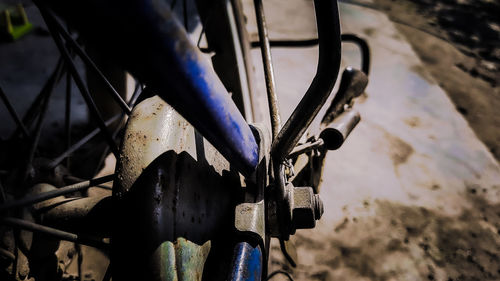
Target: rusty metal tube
x=328, y=68
x=337, y=132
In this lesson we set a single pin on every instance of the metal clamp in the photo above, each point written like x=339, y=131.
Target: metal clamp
x=249, y=219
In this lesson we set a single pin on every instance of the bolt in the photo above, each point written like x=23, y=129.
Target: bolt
x=318, y=207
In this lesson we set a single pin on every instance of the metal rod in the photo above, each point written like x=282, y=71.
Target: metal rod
x=81, y=142
x=56, y=233
x=352, y=38
x=116, y=96
x=288, y=43
x=365, y=50
x=7, y=254
x=327, y=17
x=77, y=180
x=265, y=49
x=131, y=103
x=45, y=104
x=28, y=200
x=79, y=82
x=135, y=95
x=13, y=113
x=79, y=260
x=335, y=134
x=3, y=197
x=33, y=109
x=352, y=84
x=67, y=117
x=306, y=147
x=104, y=154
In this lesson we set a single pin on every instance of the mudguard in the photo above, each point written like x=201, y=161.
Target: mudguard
x=174, y=197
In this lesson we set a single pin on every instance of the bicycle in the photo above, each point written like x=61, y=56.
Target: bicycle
x=164, y=224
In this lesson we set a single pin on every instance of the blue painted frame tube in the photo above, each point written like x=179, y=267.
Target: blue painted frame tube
x=147, y=39
x=247, y=263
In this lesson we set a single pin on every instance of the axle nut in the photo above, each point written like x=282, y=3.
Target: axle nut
x=307, y=208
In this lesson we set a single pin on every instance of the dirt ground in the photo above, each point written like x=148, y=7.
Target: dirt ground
x=403, y=242
x=459, y=43
x=447, y=230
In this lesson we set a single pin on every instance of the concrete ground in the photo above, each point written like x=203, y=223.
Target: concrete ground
x=413, y=194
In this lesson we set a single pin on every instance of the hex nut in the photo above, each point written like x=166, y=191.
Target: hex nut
x=303, y=209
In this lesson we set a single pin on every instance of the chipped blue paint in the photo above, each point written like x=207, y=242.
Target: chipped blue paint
x=247, y=263
x=197, y=93
x=147, y=39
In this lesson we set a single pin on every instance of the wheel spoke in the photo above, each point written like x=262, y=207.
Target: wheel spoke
x=56, y=233
x=74, y=179
x=8, y=255
x=135, y=95
x=79, y=82
x=32, y=199
x=203, y=27
x=45, y=104
x=137, y=92
x=35, y=106
x=13, y=113
x=76, y=47
x=81, y=142
x=79, y=260
x=67, y=117
x=106, y=150
x=2, y=194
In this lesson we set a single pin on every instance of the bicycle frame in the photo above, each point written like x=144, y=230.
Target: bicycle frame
x=153, y=45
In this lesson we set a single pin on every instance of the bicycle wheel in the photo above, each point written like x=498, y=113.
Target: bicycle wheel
x=39, y=152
